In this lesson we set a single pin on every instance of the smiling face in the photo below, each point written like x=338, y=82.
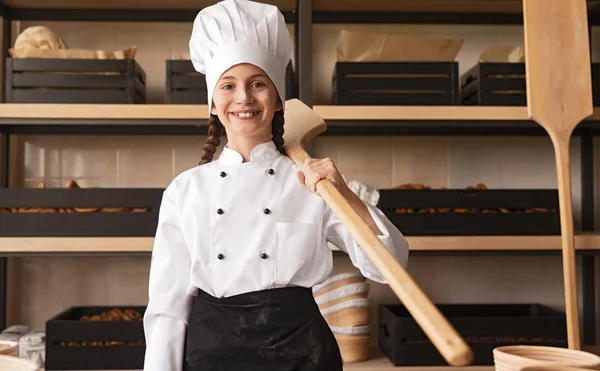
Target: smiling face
x=245, y=100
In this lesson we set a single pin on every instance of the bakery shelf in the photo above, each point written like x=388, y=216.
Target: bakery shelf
x=341, y=120
x=475, y=245
x=128, y=4
x=381, y=363
x=117, y=11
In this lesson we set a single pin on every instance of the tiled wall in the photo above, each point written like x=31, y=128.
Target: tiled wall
x=48, y=285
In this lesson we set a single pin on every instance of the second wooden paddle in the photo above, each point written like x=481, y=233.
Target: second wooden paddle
x=302, y=124
x=559, y=97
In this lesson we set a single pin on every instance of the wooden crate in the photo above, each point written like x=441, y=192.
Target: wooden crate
x=504, y=84
x=73, y=344
x=79, y=212
x=186, y=86
x=395, y=83
x=461, y=212
x=483, y=326
x=44, y=80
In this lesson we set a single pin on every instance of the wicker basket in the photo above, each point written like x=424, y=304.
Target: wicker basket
x=10, y=363
x=517, y=357
x=353, y=348
x=9, y=348
x=347, y=292
x=337, y=281
x=348, y=313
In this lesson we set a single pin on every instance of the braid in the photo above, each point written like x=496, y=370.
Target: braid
x=277, y=131
x=215, y=131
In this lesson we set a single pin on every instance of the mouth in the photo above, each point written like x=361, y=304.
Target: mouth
x=245, y=115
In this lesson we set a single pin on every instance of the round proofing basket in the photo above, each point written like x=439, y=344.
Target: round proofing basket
x=517, y=357
x=9, y=363
x=337, y=281
x=9, y=348
x=341, y=294
x=353, y=348
x=348, y=313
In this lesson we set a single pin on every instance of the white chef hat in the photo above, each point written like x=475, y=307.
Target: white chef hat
x=240, y=31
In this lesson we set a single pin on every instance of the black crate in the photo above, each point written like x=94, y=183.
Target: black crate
x=186, y=86
x=69, y=341
x=45, y=80
x=91, y=219
x=396, y=83
x=483, y=326
x=504, y=84
x=455, y=212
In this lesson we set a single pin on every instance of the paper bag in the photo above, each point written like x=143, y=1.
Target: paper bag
x=380, y=47
x=128, y=53
x=503, y=54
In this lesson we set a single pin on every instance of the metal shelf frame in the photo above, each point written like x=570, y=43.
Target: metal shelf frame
x=303, y=18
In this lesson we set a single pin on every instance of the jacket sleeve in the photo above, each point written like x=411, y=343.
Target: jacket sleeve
x=339, y=235
x=169, y=306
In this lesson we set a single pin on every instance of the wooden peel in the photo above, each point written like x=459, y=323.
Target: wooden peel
x=302, y=124
x=559, y=97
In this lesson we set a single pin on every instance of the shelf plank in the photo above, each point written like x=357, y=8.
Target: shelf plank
x=25, y=245
x=438, y=6
x=190, y=112
x=428, y=113
x=200, y=112
x=103, y=111
x=129, y=4
x=425, y=6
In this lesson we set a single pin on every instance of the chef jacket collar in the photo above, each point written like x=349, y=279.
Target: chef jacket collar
x=263, y=151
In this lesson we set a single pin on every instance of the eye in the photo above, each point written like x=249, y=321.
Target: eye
x=258, y=84
x=227, y=86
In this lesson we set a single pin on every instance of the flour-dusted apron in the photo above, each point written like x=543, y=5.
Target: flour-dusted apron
x=269, y=330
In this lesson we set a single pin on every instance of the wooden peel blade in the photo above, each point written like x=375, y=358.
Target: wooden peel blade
x=301, y=125
x=559, y=97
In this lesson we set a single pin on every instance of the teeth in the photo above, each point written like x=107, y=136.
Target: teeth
x=245, y=114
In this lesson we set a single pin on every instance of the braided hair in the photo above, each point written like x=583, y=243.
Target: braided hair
x=216, y=130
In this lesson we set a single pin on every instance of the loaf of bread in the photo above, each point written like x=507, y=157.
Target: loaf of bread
x=39, y=37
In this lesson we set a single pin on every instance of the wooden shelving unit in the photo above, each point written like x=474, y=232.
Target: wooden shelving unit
x=342, y=120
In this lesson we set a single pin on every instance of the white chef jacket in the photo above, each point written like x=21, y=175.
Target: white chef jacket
x=230, y=227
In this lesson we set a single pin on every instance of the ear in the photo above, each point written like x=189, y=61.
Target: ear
x=213, y=109
x=278, y=106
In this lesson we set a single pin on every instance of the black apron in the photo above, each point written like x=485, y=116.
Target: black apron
x=269, y=330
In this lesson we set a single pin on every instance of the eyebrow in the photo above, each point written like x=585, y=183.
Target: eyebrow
x=251, y=77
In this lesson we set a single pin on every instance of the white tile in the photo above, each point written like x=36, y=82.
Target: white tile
x=85, y=163
x=367, y=159
x=421, y=160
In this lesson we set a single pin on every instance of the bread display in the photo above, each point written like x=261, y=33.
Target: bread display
x=71, y=184
x=114, y=315
x=477, y=187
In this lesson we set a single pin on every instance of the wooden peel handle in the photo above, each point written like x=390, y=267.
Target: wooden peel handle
x=441, y=333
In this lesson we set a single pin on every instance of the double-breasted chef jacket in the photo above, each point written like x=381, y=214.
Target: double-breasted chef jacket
x=231, y=227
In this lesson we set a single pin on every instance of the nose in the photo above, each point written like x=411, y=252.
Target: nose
x=243, y=95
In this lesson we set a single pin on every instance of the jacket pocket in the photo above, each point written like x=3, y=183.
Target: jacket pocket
x=296, y=247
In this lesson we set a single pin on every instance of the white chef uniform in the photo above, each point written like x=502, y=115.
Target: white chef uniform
x=230, y=227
